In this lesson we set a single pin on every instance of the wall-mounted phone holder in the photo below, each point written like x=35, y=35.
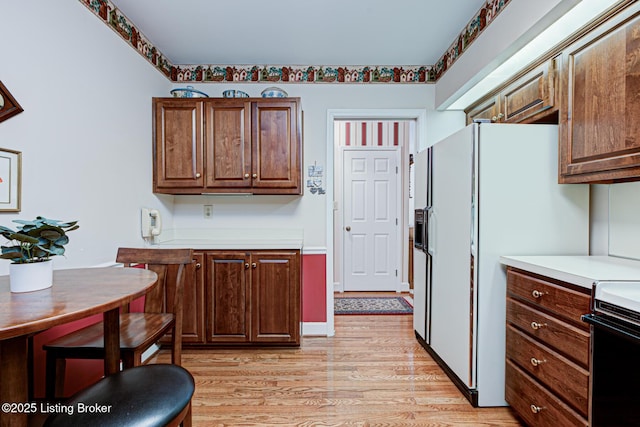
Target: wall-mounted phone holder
x=150, y=222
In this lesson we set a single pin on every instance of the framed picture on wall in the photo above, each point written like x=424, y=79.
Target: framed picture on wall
x=10, y=180
x=8, y=105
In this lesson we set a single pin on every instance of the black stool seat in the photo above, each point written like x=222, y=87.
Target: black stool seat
x=148, y=395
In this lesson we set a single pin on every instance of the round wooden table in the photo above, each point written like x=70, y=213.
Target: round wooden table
x=75, y=294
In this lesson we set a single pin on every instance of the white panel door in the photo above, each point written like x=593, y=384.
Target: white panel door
x=371, y=216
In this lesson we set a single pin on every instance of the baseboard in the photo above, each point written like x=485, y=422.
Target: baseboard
x=314, y=329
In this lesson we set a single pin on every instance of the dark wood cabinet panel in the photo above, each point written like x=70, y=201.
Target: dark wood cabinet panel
x=228, y=297
x=243, y=298
x=228, y=139
x=572, y=342
x=193, y=326
x=532, y=95
x=535, y=404
x=178, y=149
x=599, y=130
x=560, y=375
x=275, y=157
x=486, y=110
x=276, y=297
x=227, y=145
x=547, y=350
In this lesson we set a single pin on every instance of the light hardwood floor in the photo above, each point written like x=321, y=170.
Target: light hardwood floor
x=373, y=372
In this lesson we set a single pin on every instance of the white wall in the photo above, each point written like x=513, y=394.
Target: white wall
x=85, y=133
x=624, y=219
x=307, y=212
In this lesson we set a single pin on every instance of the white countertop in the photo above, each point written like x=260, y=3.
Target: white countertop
x=579, y=270
x=232, y=239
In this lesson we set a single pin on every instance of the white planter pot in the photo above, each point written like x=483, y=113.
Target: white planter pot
x=30, y=277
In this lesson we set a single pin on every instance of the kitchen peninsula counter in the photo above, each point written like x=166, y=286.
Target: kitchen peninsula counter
x=231, y=239
x=578, y=270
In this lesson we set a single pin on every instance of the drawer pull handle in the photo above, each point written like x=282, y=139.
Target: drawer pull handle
x=536, y=409
x=537, y=294
x=535, y=325
x=537, y=362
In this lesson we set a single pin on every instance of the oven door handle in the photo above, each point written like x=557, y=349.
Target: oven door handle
x=614, y=327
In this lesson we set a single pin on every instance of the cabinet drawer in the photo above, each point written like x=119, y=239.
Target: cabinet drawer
x=563, y=302
x=537, y=406
x=569, y=340
x=564, y=377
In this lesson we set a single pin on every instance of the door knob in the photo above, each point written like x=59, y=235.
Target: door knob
x=347, y=228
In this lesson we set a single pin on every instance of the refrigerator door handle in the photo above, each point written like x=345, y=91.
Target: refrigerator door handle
x=431, y=231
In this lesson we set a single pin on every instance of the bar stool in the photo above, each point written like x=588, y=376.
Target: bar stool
x=148, y=395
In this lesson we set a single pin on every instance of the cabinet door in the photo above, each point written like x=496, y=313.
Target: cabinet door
x=487, y=110
x=228, y=296
x=228, y=142
x=276, y=297
x=599, y=126
x=276, y=155
x=178, y=146
x=531, y=95
x=193, y=303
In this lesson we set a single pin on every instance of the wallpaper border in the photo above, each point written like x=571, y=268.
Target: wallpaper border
x=216, y=73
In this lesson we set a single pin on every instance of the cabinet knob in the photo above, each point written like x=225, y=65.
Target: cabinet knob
x=535, y=325
x=254, y=176
x=198, y=175
x=246, y=266
x=494, y=118
x=348, y=228
x=536, y=409
x=254, y=265
x=537, y=294
x=500, y=116
x=198, y=265
x=246, y=175
x=537, y=362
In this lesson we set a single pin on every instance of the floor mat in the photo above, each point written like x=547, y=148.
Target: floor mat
x=371, y=305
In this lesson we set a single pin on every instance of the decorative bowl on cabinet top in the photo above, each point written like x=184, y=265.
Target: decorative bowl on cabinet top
x=188, y=92
x=274, y=92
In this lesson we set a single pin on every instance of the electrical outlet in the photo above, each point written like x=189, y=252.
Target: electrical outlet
x=208, y=211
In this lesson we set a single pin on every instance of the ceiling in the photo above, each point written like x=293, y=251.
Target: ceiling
x=301, y=32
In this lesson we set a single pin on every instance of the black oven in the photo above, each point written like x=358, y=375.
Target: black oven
x=615, y=361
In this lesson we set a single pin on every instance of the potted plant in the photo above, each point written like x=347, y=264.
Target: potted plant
x=30, y=249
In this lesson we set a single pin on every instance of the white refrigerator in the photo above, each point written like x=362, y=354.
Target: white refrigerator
x=421, y=256
x=494, y=192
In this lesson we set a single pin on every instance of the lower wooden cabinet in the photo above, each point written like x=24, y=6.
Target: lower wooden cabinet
x=547, y=350
x=243, y=298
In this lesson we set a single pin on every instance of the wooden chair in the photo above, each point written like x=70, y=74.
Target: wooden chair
x=138, y=331
x=150, y=395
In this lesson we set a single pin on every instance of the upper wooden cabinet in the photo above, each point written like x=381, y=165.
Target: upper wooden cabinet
x=529, y=98
x=599, y=120
x=235, y=145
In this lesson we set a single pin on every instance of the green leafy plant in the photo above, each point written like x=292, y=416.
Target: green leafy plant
x=36, y=241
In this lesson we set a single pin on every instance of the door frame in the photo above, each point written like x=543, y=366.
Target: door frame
x=420, y=117
x=339, y=241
